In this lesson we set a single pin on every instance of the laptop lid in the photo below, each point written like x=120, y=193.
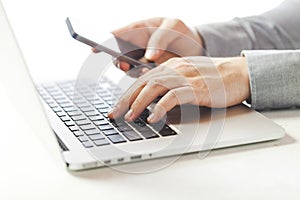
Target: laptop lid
x=14, y=77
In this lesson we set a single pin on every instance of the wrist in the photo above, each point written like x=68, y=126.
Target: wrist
x=243, y=68
x=199, y=40
x=237, y=69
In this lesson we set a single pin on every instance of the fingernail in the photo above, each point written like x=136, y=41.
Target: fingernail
x=151, y=118
x=118, y=65
x=128, y=115
x=112, y=112
x=150, y=53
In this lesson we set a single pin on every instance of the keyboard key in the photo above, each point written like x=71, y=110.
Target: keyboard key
x=69, y=123
x=65, y=118
x=87, y=127
x=110, y=132
x=70, y=109
x=74, y=113
x=52, y=104
x=149, y=134
x=91, y=113
x=92, y=132
x=66, y=104
x=89, y=96
x=57, y=109
x=83, y=122
x=48, y=100
x=132, y=136
x=98, y=101
x=118, y=122
x=78, y=133
x=124, y=127
x=78, y=117
x=92, y=97
x=87, y=144
x=59, y=97
x=138, y=123
x=74, y=128
x=108, y=98
x=95, y=118
x=101, y=106
x=87, y=109
x=61, y=114
x=101, y=122
x=101, y=142
x=103, y=93
x=116, y=138
x=69, y=91
x=62, y=101
x=144, y=115
x=158, y=126
x=105, y=127
x=83, y=138
x=104, y=110
x=79, y=100
x=96, y=137
x=167, y=131
x=55, y=93
x=143, y=128
x=83, y=105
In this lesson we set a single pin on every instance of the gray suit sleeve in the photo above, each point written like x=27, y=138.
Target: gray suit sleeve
x=273, y=61
x=276, y=29
x=274, y=78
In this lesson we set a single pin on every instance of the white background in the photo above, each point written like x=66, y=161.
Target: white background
x=51, y=53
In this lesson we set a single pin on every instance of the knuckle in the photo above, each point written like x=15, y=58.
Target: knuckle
x=137, y=104
x=172, y=94
x=177, y=24
x=155, y=83
x=197, y=82
x=123, y=102
x=175, y=60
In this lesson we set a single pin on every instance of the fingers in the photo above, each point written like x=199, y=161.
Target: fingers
x=168, y=31
x=151, y=91
x=171, y=99
x=153, y=22
x=133, y=72
x=145, y=97
x=124, y=103
x=130, y=95
x=124, y=66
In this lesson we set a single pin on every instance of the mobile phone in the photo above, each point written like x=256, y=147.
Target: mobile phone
x=130, y=57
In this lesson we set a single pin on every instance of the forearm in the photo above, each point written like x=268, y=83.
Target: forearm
x=274, y=78
x=276, y=29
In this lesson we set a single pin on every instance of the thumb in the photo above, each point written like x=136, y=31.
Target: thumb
x=159, y=41
x=157, y=44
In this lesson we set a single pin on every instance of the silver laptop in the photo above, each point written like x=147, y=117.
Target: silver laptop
x=74, y=113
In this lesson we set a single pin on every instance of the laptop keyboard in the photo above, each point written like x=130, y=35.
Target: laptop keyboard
x=84, y=111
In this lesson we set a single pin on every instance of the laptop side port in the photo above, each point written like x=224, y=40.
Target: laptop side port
x=137, y=157
x=107, y=162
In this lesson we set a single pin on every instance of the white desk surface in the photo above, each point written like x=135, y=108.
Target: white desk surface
x=269, y=170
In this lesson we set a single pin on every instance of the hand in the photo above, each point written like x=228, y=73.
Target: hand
x=163, y=38
x=203, y=81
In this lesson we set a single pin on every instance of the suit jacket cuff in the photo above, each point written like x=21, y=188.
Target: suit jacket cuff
x=274, y=78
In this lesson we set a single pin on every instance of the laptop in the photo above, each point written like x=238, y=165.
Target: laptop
x=71, y=116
